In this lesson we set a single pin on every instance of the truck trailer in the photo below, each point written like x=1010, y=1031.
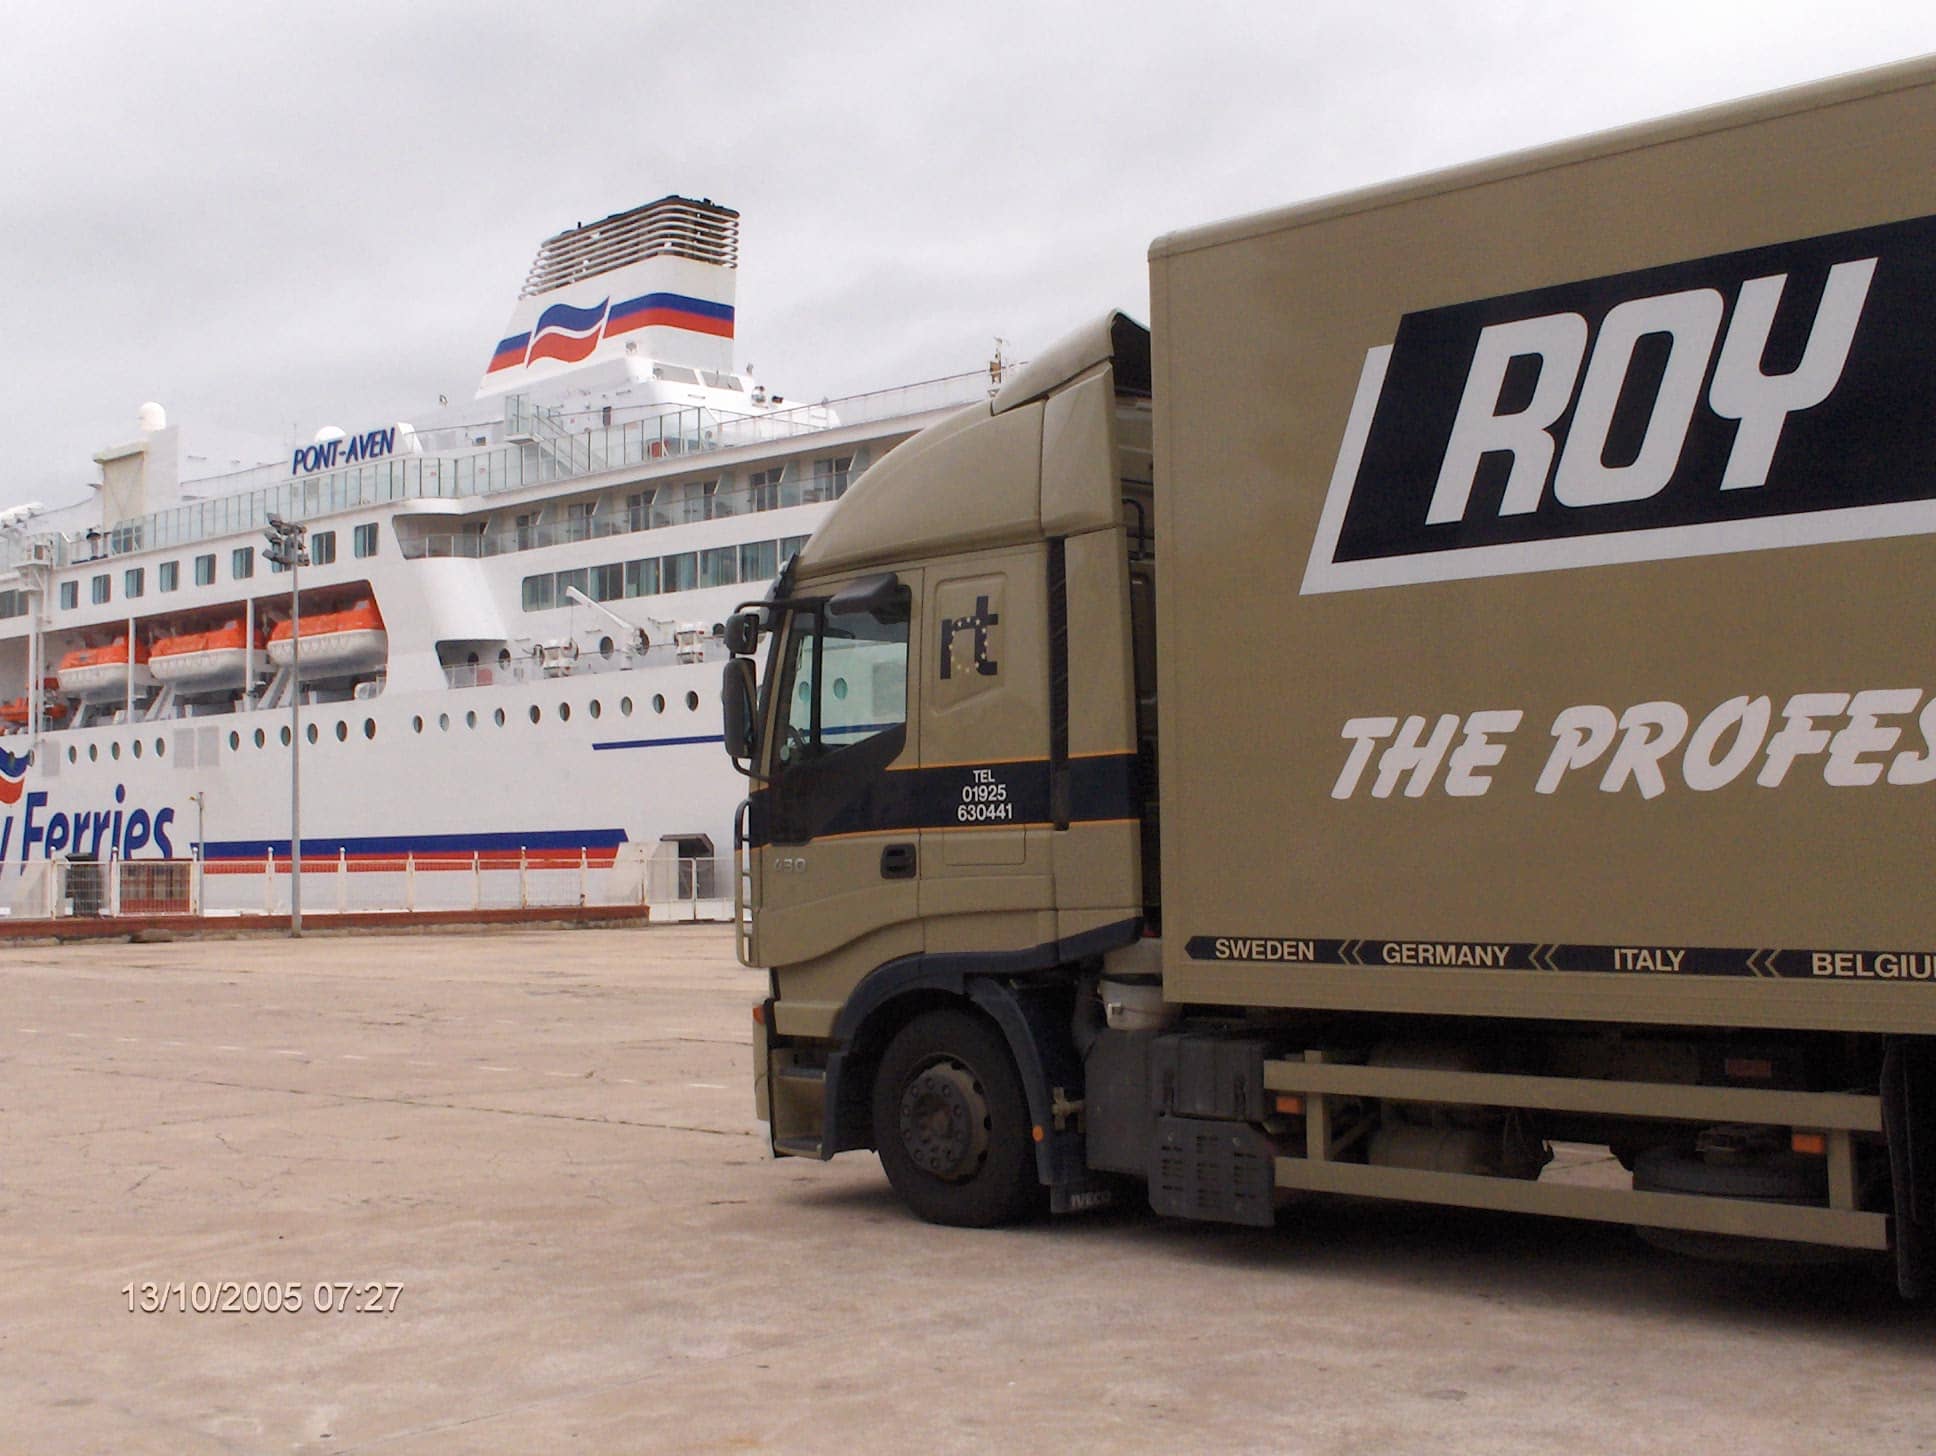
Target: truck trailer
x=1463, y=678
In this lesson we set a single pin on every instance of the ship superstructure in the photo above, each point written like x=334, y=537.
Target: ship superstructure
x=510, y=619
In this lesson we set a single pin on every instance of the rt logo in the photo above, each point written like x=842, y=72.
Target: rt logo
x=974, y=644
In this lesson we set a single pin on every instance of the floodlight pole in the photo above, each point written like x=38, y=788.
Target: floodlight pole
x=287, y=549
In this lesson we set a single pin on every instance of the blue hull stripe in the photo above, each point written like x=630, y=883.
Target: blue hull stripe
x=402, y=844
x=659, y=742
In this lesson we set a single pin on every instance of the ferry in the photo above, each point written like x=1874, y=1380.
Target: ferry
x=510, y=612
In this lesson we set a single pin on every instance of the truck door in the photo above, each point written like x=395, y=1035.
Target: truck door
x=987, y=879
x=835, y=845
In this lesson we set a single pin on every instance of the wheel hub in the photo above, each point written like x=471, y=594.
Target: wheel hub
x=944, y=1122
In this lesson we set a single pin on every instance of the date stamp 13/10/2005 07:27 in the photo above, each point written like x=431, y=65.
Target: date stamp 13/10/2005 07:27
x=262, y=1296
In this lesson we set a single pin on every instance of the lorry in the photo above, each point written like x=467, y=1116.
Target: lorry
x=1464, y=678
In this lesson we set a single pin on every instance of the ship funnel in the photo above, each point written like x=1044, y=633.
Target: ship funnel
x=655, y=283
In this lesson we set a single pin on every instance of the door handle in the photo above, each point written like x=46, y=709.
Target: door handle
x=897, y=862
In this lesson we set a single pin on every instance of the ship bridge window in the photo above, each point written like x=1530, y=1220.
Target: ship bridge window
x=242, y=563
x=70, y=595
x=205, y=570
x=100, y=587
x=674, y=373
x=723, y=381
x=322, y=548
x=168, y=576
x=363, y=540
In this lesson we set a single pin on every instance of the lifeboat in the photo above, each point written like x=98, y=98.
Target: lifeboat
x=197, y=661
x=15, y=714
x=95, y=673
x=335, y=643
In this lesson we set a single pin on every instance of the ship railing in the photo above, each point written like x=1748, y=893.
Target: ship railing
x=524, y=878
x=234, y=505
x=693, y=508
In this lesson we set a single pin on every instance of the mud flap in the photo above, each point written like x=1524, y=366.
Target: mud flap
x=1909, y=1123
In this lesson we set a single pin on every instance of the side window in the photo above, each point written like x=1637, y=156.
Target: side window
x=846, y=681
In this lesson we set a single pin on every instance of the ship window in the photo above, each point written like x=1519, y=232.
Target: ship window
x=719, y=566
x=675, y=374
x=443, y=722
x=597, y=709
x=369, y=727
x=285, y=737
x=73, y=755
x=764, y=488
x=13, y=604
x=205, y=570
x=235, y=741
x=168, y=576
x=658, y=702
x=758, y=560
x=692, y=702
x=830, y=477
x=679, y=573
x=100, y=587
x=564, y=712
x=342, y=731
x=606, y=647
x=242, y=563
x=137, y=748
x=642, y=577
x=132, y=581
x=470, y=719
x=625, y=707
x=638, y=509
x=260, y=739
x=790, y=547
x=161, y=748
x=70, y=595
x=579, y=577
x=363, y=540
x=537, y=592
x=94, y=753
x=608, y=582
x=322, y=548
x=498, y=717
x=416, y=723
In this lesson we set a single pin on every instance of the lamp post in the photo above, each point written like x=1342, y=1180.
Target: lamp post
x=286, y=549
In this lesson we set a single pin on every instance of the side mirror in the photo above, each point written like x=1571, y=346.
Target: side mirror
x=743, y=633
x=738, y=701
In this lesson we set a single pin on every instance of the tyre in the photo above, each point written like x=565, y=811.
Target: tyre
x=1779, y=1177
x=952, y=1125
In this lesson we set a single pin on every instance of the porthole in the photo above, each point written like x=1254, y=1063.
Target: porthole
x=137, y=748
x=625, y=707
x=597, y=708
x=498, y=717
x=94, y=751
x=235, y=740
x=416, y=723
x=564, y=712
x=260, y=738
x=504, y=657
x=311, y=732
x=840, y=687
x=369, y=728
x=73, y=754
x=287, y=738
x=470, y=719
x=443, y=722
x=606, y=647
x=535, y=713
x=161, y=748
x=342, y=731
x=692, y=702
x=114, y=750
x=658, y=702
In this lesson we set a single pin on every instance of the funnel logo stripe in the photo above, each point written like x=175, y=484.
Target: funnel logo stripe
x=509, y=353
x=13, y=775
x=672, y=311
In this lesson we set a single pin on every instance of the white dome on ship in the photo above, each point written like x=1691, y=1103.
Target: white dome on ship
x=330, y=432
x=151, y=417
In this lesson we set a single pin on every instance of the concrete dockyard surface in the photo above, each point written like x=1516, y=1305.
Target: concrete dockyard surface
x=532, y=1156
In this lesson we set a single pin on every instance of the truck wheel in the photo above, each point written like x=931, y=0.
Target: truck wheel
x=952, y=1123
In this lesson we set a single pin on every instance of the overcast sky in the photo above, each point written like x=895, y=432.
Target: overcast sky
x=271, y=217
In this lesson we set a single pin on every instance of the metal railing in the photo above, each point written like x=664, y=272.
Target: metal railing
x=682, y=889
x=661, y=434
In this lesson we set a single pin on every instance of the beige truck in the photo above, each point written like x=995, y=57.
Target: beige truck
x=1464, y=679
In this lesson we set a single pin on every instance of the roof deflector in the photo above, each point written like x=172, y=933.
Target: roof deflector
x=1115, y=339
